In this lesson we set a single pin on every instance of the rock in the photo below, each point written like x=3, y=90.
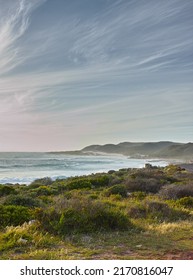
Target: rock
x=32, y=222
x=22, y=241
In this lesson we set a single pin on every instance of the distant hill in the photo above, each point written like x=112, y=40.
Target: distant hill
x=163, y=149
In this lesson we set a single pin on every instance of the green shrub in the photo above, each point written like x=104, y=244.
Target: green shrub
x=153, y=207
x=115, y=180
x=48, y=218
x=14, y=215
x=176, y=191
x=156, y=173
x=138, y=195
x=21, y=200
x=83, y=217
x=121, y=172
x=162, y=212
x=46, y=181
x=43, y=190
x=73, y=184
x=146, y=173
x=186, y=202
x=99, y=219
x=173, y=169
x=157, y=211
x=79, y=184
x=148, y=185
x=137, y=211
x=6, y=190
x=45, y=199
x=99, y=180
x=93, y=196
x=117, y=189
x=111, y=171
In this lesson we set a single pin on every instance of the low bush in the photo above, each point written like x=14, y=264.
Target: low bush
x=73, y=184
x=111, y=171
x=46, y=181
x=172, y=169
x=156, y=207
x=121, y=172
x=83, y=217
x=42, y=190
x=115, y=180
x=79, y=184
x=6, y=190
x=93, y=196
x=138, y=195
x=137, y=211
x=117, y=189
x=14, y=215
x=157, y=211
x=162, y=212
x=186, y=202
x=148, y=185
x=99, y=180
x=176, y=191
x=146, y=173
x=21, y=200
x=99, y=219
x=157, y=174
x=48, y=218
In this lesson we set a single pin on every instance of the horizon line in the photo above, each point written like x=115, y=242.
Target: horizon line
x=57, y=151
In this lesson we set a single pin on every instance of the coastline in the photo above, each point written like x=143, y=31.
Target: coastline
x=132, y=213
x=25, y=168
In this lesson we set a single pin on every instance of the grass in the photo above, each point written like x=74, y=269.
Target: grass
x=100, y=216
x=154, y=242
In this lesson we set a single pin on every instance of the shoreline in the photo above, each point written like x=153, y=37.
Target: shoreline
x=183, y=165
x=24, y=170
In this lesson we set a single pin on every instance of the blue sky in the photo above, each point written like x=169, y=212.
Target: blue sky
x=75, y=73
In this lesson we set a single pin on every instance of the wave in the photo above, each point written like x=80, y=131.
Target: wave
x=52, y=163
x=26, y=167
x=25, y=180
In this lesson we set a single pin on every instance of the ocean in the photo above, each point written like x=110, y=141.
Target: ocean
x=24, y=168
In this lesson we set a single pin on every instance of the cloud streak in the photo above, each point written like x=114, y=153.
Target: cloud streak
x=107, y=67
x=14, y=23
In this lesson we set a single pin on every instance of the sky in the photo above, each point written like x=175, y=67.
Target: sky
x=75, y=73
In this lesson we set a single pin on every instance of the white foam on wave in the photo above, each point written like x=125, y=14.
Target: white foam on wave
x=67, y=166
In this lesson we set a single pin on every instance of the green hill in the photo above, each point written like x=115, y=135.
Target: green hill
x=163, y=149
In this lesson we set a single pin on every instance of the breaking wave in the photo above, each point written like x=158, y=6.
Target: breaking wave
x=24, y=168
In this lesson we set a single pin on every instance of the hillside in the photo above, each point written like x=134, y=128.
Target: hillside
x=163, y=149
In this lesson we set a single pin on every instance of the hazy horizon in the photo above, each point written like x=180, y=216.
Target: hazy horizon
x=76, y=73
x=92, y=144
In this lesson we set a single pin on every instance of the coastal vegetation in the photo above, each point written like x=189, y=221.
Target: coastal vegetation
x=144, y=213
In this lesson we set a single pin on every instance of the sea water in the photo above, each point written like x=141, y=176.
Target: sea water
x=23, y=168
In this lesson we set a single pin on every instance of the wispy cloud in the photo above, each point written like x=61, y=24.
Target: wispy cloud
x=108, y=67
x=13, y=24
